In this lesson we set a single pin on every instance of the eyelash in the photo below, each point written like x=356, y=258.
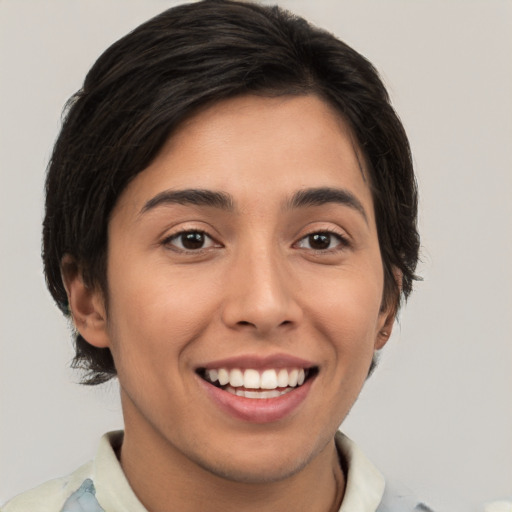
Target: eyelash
x=170, y=241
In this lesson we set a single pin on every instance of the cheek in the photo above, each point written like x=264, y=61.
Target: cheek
x=154, y=316
x=347, y=311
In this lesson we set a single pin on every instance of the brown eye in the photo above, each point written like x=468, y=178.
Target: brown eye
x=190, y=241
x=321, y=241
x=194, y=240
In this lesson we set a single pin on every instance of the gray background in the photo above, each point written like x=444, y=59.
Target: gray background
x=437, y=414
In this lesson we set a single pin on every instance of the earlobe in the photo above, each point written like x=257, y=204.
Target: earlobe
x=384, y=332
x=388, y=314
x=86, y=305
x=385, y=327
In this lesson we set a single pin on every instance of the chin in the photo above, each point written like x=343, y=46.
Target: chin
x=255, y=472
x=261, y=460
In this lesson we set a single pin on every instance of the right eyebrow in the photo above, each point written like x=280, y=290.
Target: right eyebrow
x=324, y=195
x=192, y=196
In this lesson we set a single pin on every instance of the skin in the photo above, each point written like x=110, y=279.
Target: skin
x=256, y=287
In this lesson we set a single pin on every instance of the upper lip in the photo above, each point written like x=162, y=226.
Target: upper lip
x=258, y=362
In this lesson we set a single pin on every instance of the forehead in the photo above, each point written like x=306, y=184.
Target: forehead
x=256, y=147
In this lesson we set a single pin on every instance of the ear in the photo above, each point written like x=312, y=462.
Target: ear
x=385, y=327
x=388, y=314
x=86, y=304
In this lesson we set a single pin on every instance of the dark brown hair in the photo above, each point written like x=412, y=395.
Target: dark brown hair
x=148, y=82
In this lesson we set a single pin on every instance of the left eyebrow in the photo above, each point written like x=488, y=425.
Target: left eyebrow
x=324, y=195
x=191, y=196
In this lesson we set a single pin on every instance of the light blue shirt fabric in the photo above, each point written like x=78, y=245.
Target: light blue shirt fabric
x=83, y=499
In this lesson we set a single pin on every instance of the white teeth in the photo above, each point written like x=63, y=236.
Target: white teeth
x=213, y=375
x=251, y=379
x=274, y=393
x=293, y=377
x=282, y=378
x=223, y=376
x=236, y=378
x=269, y=379
x=257, y=394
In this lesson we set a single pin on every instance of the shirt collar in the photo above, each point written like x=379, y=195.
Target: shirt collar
x=112, y=488
x=364, y=482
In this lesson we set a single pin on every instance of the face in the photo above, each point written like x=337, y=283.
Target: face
x=245, y=284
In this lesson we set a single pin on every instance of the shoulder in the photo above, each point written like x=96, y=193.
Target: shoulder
x=395, y=500
x=366, y=488
x=99, y=481
x=50, y=496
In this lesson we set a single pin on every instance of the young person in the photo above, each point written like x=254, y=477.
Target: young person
x=231, y=224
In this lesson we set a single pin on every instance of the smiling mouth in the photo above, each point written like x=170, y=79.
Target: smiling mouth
x=251, y=383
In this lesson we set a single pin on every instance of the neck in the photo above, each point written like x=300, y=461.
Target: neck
x=161, y=475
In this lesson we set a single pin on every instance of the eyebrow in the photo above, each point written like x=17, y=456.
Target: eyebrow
x=324, y=195
x=301, y=199
x=192, y=196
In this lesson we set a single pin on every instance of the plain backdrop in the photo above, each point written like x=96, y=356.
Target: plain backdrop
x=436, y=416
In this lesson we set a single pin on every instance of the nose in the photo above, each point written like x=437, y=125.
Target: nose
x=260, y=294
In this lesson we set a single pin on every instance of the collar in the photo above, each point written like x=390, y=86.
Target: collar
x=364, y=483
x=112, y=488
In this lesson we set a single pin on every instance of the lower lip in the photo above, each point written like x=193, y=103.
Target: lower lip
x=258, y=410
